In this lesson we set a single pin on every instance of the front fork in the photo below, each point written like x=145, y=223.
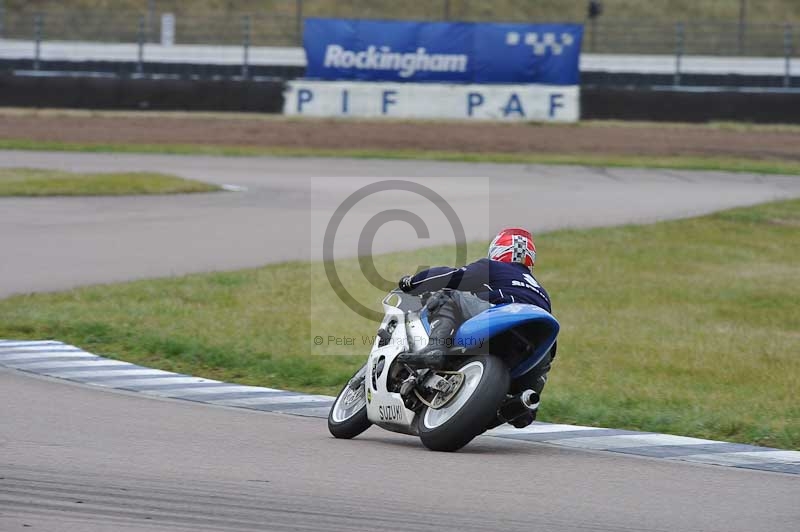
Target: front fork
x=358, y=378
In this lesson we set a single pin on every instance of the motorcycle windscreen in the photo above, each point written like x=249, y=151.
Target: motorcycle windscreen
x=505, y=327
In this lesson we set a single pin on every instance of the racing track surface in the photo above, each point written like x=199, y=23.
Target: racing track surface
x=58, y=243
x=104, y=460
x=85, y=459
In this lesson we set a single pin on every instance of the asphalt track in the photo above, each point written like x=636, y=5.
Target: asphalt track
x=58, y=243
x=79, y=458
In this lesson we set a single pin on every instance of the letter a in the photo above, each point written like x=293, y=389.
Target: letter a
x=513, y=106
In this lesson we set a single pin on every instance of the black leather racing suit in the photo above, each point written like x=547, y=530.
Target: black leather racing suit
x=492, y=283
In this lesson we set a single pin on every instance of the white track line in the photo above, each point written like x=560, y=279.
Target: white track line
x=209, y=391
x=9, y=344
x=538, y=429
x=56, y=365
x=745, y=457
x=283, y=399
x=148, y=382
x=54, y=356
x=106, y=373
x=624, y=441
x=40, y=348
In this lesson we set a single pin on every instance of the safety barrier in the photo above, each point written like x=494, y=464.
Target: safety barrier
x=153, y=94
x=268, y=97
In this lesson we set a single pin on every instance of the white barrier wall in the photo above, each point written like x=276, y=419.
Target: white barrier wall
x=292, y=56
x=543, y=103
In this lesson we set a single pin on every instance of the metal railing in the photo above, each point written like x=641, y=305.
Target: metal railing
x=234, y=37
x=711, y=27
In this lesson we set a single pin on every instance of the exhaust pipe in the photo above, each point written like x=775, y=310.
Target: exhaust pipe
x=530, y=399
x=519, y=405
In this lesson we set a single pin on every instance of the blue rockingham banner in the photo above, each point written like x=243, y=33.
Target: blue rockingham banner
x=459, y=52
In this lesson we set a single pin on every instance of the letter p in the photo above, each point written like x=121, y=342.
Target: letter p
x=303, y=96
x=474, y=99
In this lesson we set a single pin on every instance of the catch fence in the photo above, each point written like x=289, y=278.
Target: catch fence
x=248, y=33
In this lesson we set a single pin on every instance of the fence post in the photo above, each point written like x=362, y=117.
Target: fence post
x=140, y=37
x=298, y=13
x=246, y=46
x=742, y=25
x=151, y=21
x=787, y=52
x=679, y=42
x=446, y=10
x=167, y=29
x=38, y=22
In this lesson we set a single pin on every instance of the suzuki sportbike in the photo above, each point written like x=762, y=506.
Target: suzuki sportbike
x=483, y=384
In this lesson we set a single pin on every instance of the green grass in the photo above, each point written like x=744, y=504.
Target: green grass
x=686, y=327
x=726, y=164
x=36, y=182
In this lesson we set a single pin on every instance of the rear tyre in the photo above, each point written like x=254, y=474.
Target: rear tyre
x=348, y=416
x=473, y=408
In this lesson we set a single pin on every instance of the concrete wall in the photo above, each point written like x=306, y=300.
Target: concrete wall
x=268, y=97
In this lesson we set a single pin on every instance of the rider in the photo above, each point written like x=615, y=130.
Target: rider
x=504, y=277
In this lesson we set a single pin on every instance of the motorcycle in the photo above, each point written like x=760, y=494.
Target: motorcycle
x=485, y=382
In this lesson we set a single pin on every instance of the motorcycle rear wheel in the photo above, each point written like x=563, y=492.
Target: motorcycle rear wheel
x=348, y=416
x=473, y=408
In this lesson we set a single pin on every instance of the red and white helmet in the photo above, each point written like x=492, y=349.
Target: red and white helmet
x=513, y=245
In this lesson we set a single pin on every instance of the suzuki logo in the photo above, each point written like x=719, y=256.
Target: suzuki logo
x=541, y=42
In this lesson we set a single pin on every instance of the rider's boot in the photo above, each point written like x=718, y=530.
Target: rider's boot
x=434, y=355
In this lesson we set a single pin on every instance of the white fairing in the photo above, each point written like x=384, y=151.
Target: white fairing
x=386, y=408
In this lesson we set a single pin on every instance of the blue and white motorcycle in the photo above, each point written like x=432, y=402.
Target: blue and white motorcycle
x=482, y=386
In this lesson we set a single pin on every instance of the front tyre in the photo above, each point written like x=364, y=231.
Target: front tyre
x=471, y=411
x=348, y=416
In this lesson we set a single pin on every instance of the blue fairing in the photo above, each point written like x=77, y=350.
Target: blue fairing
x=489, y=323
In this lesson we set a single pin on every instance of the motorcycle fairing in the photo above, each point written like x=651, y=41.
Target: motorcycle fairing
x=492, y=322
x=384, y=408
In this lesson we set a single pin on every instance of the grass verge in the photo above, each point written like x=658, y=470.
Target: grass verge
x=686, y=327
x=39, y=182
x=36, y=182
x=725, y=164
x=56, y=112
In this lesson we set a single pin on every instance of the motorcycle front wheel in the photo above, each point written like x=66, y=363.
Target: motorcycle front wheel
x=471, y=411
x=348, y=416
